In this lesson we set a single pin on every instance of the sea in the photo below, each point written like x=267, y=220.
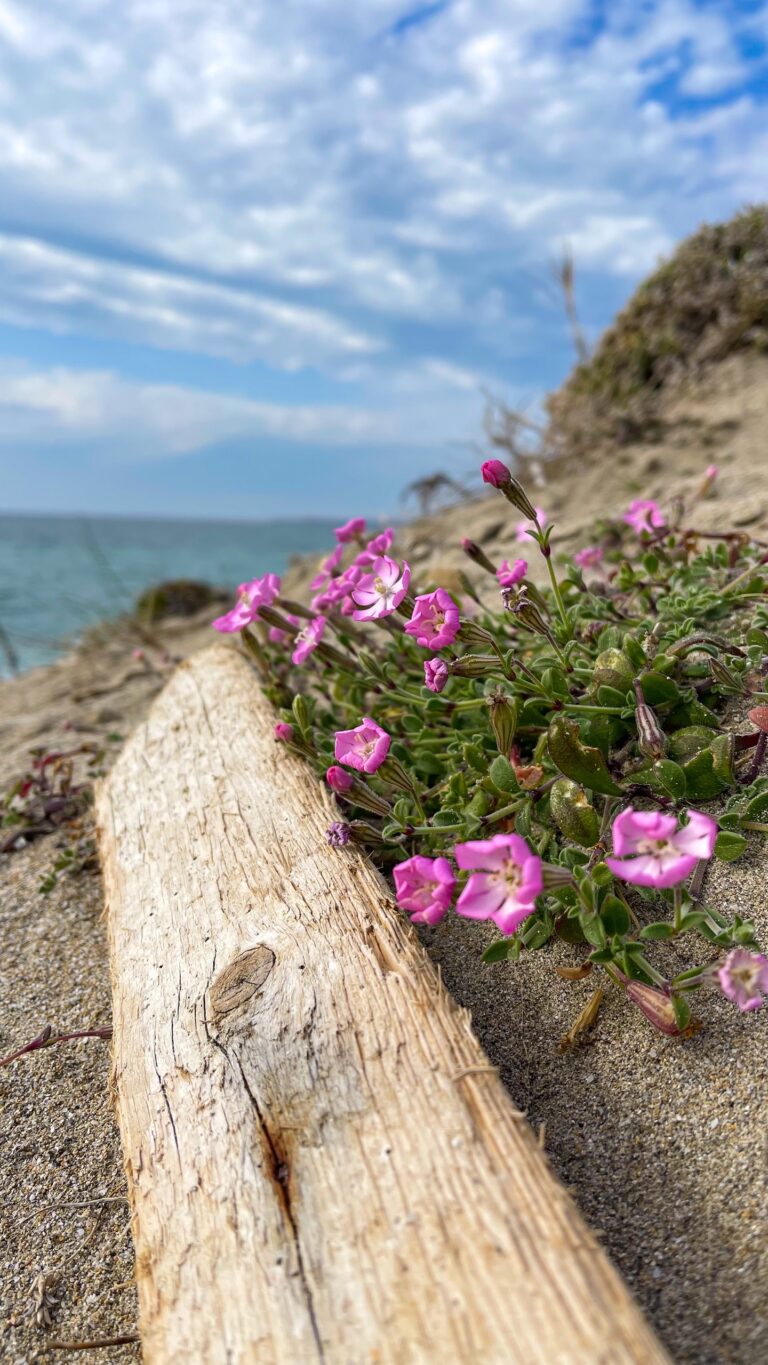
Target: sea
x=59, y=575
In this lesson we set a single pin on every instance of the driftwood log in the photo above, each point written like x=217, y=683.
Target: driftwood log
x=322, y=1164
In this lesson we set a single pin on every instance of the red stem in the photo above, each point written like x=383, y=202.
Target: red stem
x=48, y=1039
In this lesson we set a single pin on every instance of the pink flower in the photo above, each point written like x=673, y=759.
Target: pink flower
x=523, y=530
x=350, y=530
x=260, y=592
x=435, y=620
x=651, y=851
x=495, y=473
x=337, y=779
x=506, y=887
x=510, y=574
x=380, y=593
x=284, y=731
x=744, y=978
x=337, y=589
x=588, y=557
x=376, y=547
x=328, y=567
x=644, y=515
x=308, y=639
x=435, y=674
x=363, y=748
x=424, y=887
x=712, y=472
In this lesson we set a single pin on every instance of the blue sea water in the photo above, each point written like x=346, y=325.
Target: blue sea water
x=59, y=575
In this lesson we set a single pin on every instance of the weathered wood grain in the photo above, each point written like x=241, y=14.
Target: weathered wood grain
x=322, y=1163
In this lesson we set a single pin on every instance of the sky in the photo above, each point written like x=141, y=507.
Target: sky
x=269, y=259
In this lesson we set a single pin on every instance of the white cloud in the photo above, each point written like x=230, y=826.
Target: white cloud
x=315, y=186
x=119, y=417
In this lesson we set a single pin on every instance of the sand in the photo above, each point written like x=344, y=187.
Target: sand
x=664, y=1144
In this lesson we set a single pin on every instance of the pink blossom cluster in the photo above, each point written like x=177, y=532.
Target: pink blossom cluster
x=260, y=592
x=506, y=877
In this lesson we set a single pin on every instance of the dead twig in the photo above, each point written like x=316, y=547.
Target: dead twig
x=94, y=1344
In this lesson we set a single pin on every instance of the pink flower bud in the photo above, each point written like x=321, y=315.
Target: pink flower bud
x=284, y=731
x=656, y=1005
x=338, y=780
x=495, y=473
x=435, y=674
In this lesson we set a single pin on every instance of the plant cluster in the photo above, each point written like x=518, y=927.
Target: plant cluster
x=47, y=799
x=707, y=301
x=551, y=764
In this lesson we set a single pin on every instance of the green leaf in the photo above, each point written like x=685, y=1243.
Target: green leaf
x=593, y=930
x=693, y=920
x=634, y=652
x=701, y=780
x=498, y=951
x=757, y=808
x=682, y=1011
x=539, y=933
x=555, y=682
x=475, y=757
x=613, y=669
x=615, y=916
x=568, y=928
x=659, y=930
x=690, y=740
x=447, y=816
x=581, y=763
x=670, y=777
x=657, y=689
x=573, y=814
x=502, y=775
x=729, y=846
x=610, y=696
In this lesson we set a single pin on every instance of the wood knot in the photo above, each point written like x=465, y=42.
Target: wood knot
x=240, y=980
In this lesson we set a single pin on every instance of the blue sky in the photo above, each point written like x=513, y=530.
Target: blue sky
x=265, y=258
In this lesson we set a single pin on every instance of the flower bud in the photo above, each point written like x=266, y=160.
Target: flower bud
x=273, y=618
x=518, y=602
x=472, y=634
x=497, y=474
x=363, y=833
x=651, y=740
x=503, y=716
x=339, y=834
x=338, y=780
x=656, y=1004
x=396, y=775
x=436, y=674
x=284, y=731
x=474, y=666
x=477, y=554
x=554, y=876
x=295, y=608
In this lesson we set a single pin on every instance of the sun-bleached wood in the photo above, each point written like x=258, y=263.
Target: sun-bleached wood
x=322, y=1164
